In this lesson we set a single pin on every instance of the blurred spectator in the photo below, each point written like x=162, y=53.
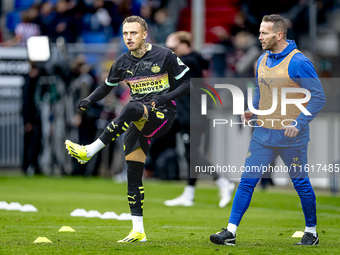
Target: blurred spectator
x=116, y=17
x=298, y=17
x=295, y=11
x=129, y=8
x=46, y=18
x=119, y=11
x=246, y=52
x=64, y=23
x=254, y=14
x=98, y=19
x=223, y=47
x=180, y=43
x=163, y=27
x=26, y=28
x=32, y=123
x=69, y=18
x=240, y=24
x=112, y=156
x=234, y=52
x=83, y=83
x=146, y=13
x=176, y=7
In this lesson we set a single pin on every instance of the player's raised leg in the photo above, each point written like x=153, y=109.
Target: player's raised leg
x=133, y=111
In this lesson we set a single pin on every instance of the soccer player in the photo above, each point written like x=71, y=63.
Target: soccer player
x=180, y=43
x=149, y=70
x=280, y=67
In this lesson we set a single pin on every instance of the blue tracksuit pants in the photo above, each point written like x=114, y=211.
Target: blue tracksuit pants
x=295, y=158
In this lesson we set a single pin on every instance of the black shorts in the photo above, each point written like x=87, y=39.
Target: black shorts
x=158, y=124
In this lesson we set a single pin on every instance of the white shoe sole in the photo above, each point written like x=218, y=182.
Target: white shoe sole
x=143, y=240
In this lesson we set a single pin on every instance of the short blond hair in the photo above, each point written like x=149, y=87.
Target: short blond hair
x=137, y=19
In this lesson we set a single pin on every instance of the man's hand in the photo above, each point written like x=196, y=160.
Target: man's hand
x=246, y=116
x=291, y=131
x=84, y=104
x=158, y=101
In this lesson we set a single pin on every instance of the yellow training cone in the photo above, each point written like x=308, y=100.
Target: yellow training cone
x=66, y=229
x=42, y=240
x=298, y=234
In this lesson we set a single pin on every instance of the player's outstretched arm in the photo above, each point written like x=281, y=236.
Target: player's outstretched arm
x=181, y=91
x=98, y=94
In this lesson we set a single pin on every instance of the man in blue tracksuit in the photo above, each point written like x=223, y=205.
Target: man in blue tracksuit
x=282, y=66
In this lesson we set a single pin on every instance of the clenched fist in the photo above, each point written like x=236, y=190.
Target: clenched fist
x=84, y=104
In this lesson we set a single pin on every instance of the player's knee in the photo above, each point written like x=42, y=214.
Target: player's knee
x=137, y=155
x=131, y=106
x=133, y=109
x=301, y=184
x=248, y=183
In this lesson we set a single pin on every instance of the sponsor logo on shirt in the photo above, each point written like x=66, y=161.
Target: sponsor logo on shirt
x=145, y=85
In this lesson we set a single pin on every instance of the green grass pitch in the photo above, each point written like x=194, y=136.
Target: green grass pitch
x=266, y=228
